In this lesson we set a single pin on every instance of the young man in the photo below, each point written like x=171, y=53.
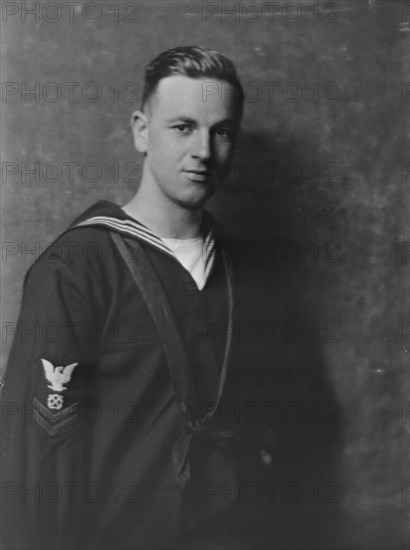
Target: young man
x=137, y=416
x=112, y=382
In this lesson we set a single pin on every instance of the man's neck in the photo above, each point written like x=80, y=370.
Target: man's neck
x=165, y=219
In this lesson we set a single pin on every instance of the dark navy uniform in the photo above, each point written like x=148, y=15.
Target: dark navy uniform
x=94, y=420
x=100, y=452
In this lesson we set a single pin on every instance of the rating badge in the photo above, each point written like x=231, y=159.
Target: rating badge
x=55, y=401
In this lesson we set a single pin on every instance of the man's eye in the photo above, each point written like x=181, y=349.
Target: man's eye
x=182, y=128
x=224, y=133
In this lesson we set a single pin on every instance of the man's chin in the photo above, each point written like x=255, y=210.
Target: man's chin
x=197, y=200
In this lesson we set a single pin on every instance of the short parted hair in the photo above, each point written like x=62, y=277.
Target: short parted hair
x=194, y=62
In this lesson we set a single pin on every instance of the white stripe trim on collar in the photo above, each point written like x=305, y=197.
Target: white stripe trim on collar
x=131, y=228
x=136, y=229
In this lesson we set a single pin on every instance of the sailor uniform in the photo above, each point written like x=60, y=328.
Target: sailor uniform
x=113, y=384
x=116, y=429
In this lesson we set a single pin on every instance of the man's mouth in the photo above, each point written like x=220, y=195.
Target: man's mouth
x=199, y=175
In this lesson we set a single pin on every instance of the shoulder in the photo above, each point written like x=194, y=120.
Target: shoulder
x=77, y=255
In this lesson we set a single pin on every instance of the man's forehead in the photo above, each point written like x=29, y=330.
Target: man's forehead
x=181, y=95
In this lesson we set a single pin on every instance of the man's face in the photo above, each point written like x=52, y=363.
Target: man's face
x=189, y=138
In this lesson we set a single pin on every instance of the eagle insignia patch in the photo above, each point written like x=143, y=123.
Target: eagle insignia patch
x=57, y=376
x=55, y=401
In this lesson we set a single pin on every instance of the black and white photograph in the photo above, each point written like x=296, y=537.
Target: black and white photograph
x=205, y=252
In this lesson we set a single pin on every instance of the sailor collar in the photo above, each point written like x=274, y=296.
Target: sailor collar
x=136, y=229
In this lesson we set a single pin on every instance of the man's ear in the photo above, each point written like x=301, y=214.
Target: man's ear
x=139, y=125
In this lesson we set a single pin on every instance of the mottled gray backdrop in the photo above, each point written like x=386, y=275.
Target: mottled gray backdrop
x=319, y=185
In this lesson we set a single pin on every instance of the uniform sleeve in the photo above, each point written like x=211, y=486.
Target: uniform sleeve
x=44, y=433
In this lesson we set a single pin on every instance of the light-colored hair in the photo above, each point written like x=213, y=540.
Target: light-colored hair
x=194, y=62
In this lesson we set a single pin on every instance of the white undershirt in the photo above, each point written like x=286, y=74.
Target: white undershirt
x=189, y=253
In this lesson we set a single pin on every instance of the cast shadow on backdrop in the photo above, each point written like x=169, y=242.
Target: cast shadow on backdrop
x=304, y=507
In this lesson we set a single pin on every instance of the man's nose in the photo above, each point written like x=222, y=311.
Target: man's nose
x=202, y=145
